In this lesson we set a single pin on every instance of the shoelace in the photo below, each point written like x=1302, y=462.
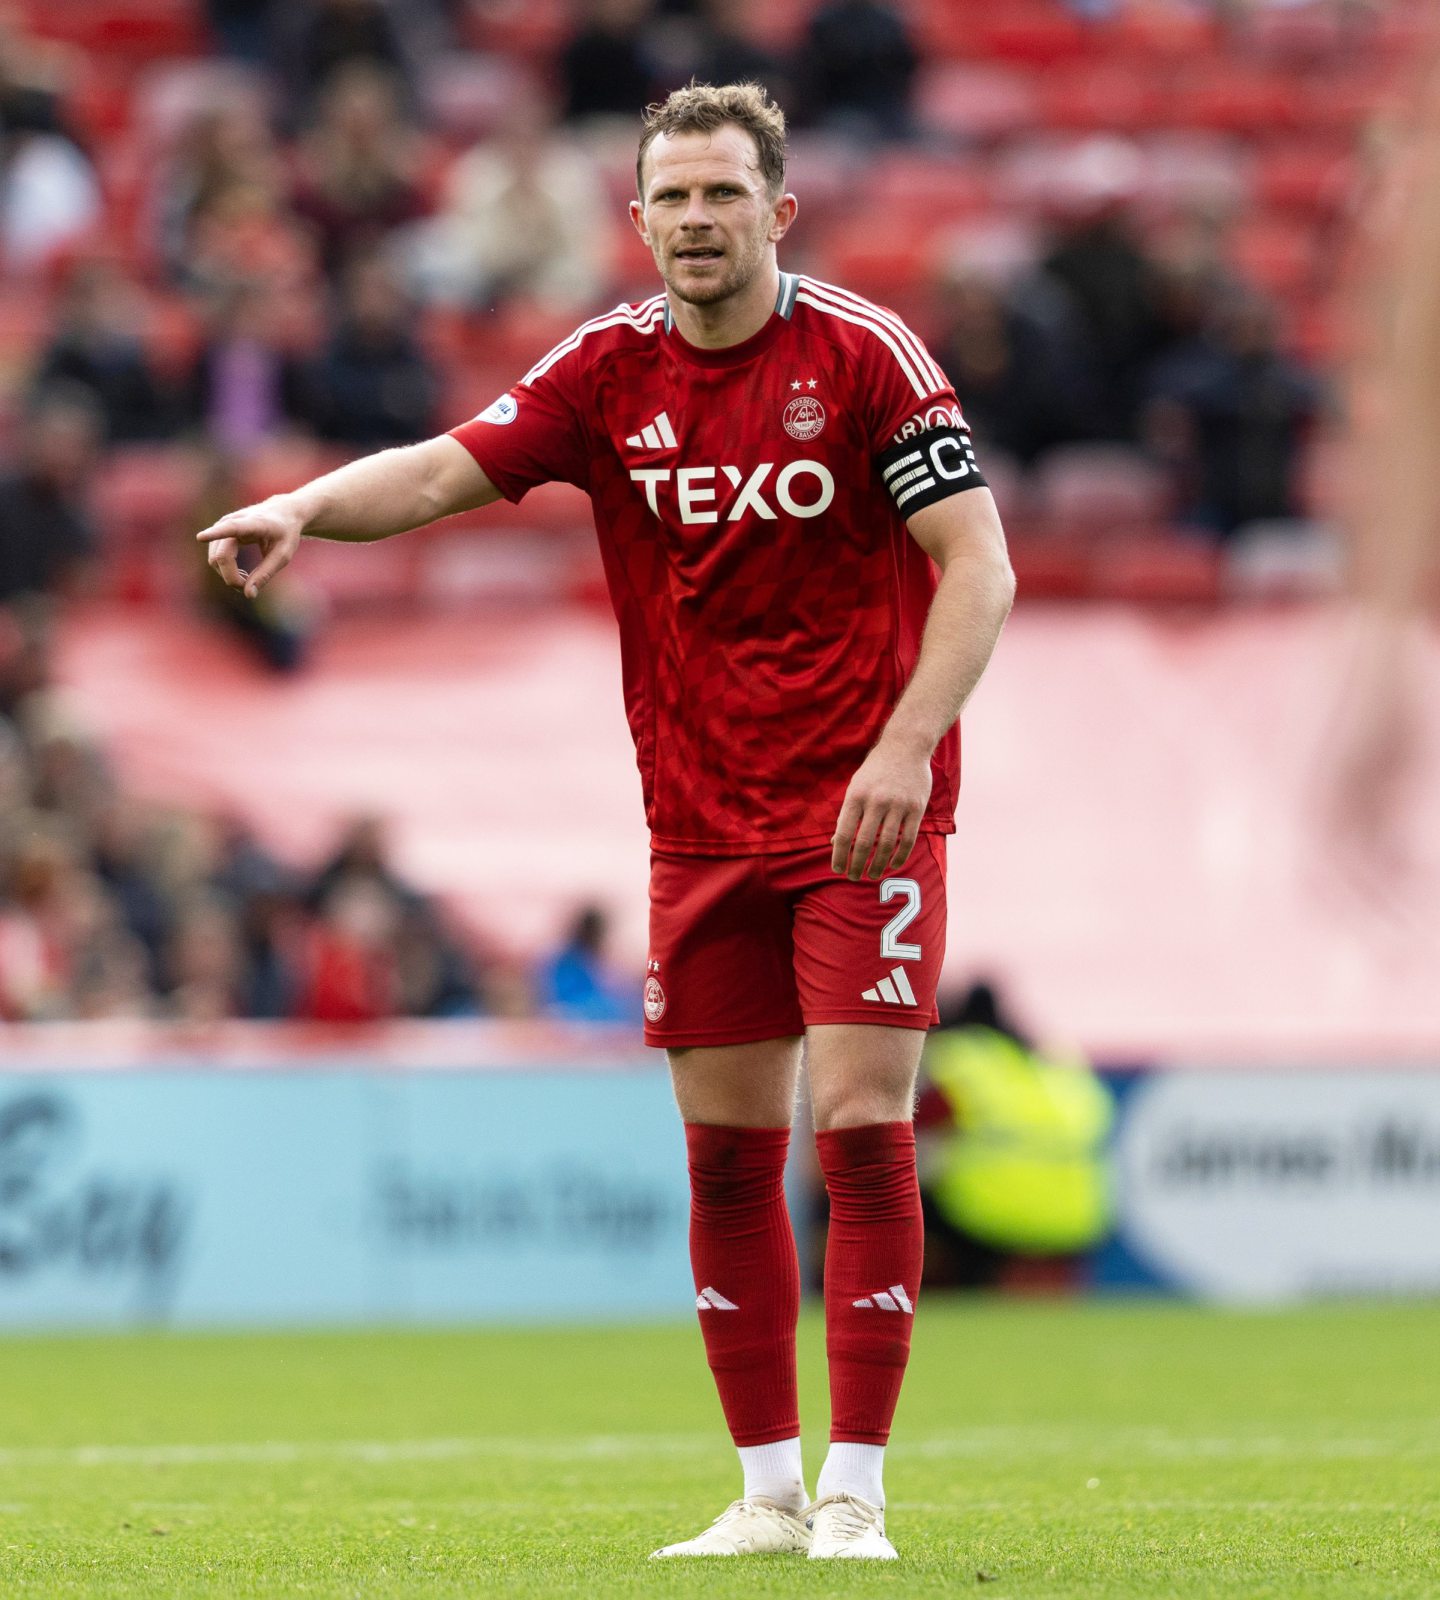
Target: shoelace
x=849, y=1518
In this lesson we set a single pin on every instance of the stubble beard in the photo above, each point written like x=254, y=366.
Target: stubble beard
x=735, y=281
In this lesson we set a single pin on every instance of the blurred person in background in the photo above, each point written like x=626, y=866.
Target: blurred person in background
x=245, y=386
x=1098, y=260
x=225, y=145
x=204, y=960
x=47, y=538
x=1024, y=382
x=859, y=64
x=97, y=347
x=579, y=983
x=1230, y=411
x=243, y=230
x=49, y=193
x=1014, y=1172
x=316, y=42
x=358, y=167
x=523, y=218
x=607, y=68
x=371, y=384
x=242, y=28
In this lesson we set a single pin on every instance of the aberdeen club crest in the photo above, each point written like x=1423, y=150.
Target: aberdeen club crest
x=804, y=417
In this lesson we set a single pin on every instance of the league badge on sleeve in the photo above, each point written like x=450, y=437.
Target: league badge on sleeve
x=504, y=410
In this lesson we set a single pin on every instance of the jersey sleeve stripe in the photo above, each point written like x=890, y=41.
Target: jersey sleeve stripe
x=924, y=361
x=642, y=318
x=923, y=390
x=911, y=340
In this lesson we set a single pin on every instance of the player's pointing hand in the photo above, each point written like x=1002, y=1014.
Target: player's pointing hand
x=273, y=526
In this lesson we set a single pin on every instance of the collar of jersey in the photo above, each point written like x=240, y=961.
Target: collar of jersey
x=734, y=355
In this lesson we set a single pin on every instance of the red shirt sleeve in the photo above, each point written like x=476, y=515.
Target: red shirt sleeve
x=906, y=392
x=534, y=433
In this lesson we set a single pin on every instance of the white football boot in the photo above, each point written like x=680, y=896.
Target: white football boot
x=753, y=1527
x=845, y=1527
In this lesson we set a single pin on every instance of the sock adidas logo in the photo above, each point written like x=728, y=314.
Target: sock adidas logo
x=893, y=1299
x=713, y=1300
x=658, y=435
x=894, y=990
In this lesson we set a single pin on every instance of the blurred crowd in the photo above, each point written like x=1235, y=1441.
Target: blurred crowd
x=113, y=906
x=348, y=223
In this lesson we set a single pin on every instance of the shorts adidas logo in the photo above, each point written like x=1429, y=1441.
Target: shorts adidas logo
x=713, y=1300
x=893, y=1299
x=657, y=435
x=892, y=991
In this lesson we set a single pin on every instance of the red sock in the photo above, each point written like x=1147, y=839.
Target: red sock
x=872, y=1273
x=747, y=1276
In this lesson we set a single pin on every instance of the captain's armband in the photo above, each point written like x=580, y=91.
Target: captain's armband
x=928, y=468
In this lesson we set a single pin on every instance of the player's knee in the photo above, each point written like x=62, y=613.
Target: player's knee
x=861, y=1105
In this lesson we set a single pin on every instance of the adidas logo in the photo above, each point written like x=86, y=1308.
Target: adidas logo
x=658, y=436
x=713, y=1300
x=894, y=990
x=893, y=1299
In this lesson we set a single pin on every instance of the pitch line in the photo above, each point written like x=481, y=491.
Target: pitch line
x=277, y=1452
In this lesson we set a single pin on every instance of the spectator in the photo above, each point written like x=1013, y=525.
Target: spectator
x=46, y=536
x=1017, y=366
x=1230, y=412
x=244, y=388
x=861, y=69
x=606, y=68
x=204, y=961
x=372, y=385
x=319, y=41
x=348, y=965
x=96, y=348
x=242, y=28
x=245, y=230
x=226, y=147
x=524, y=217
x=1099, y=263
x=358, y=168
x=579, y=983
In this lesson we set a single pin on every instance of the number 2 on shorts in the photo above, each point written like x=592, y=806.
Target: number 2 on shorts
x=892, y=948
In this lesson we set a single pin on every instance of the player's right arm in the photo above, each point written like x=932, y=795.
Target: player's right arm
x=364, y=500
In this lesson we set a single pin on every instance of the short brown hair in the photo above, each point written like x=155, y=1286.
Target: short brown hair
x=702, y=108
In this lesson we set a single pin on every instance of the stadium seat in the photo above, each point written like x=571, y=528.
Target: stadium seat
x=1105, y=97
x=531, y=30
x=1305, y=177
x=1231, y=97
x=1100, y=489
x=1026, y=31
x=1283, y=560
x=1156, y=568
x=1276, y=254
x=976, y=104
x=470, y=95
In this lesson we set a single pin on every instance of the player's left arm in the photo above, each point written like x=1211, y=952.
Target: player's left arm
x=885, y=803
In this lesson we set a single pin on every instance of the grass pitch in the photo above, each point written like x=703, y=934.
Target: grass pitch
x=1041, y=1450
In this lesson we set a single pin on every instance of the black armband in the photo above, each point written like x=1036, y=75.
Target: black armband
x=930, y=467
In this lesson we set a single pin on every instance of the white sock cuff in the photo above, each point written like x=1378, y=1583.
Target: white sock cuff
x=856, y=1469
x=773, y=1470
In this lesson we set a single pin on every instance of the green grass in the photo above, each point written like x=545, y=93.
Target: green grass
x=1090, y=1450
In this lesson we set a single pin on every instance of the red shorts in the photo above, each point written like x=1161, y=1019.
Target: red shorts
x=760, y=947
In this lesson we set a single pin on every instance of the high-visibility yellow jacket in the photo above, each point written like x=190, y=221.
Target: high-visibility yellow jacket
x=1025, y=1168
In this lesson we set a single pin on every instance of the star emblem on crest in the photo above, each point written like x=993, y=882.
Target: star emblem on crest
x=796, y=384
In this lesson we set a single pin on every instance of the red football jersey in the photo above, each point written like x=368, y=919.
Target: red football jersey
x=770, y=599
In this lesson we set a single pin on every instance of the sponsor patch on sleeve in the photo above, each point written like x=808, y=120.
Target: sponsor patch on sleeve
x=504, y=410
x=929, y=467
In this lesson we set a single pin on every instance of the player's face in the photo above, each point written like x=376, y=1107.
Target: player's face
x=707, y=214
